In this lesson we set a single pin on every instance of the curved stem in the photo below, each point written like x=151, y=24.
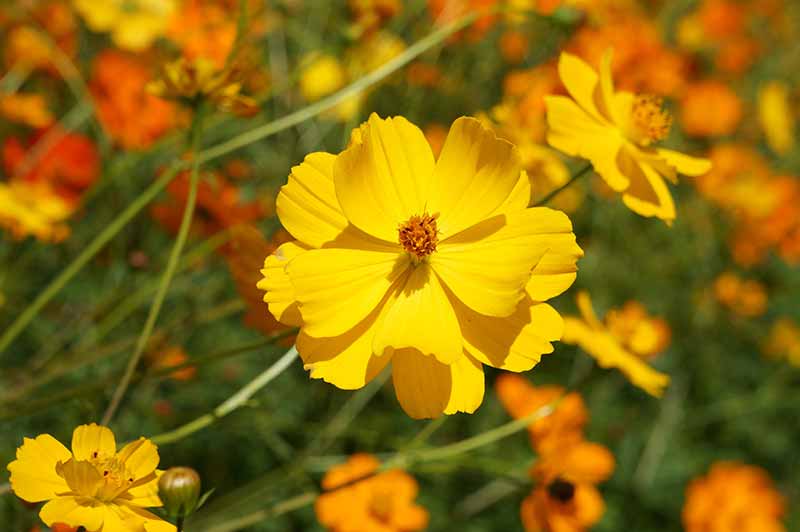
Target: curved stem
x=85, y=256
x=232, y=403
x=580, y=173
x=166, y=279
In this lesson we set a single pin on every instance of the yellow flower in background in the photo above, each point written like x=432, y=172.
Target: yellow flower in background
x=28, y=109
x=616, y=130
x=320, y=75
x=437, y=266
x=783, y=341
x=776, y=116
x=643, y=334
x=94, y=486
x=29, y=209
x=595, y=338
x=133, y=24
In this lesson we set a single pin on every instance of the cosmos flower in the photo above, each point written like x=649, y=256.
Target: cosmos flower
x=435, y=266
x=94, y=486
x=382, y=502
x=616, y=130
x=599, y=341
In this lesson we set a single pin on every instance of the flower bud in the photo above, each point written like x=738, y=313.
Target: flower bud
x=179, y=489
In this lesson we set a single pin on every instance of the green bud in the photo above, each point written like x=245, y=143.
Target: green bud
x=179, y=489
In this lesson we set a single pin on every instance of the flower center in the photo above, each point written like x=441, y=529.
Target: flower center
x=101, y=477
x=650, y=122
x=561, y=490
x=419, y=235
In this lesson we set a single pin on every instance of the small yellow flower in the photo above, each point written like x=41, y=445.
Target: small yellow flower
x=776, y=116
x=188, y=81
x=29, y=209
x=616, y=130
x=435, y=266
x=321, y=75
x=133, y=24
x=28, y=109
x=94, y=486
x=596, y=339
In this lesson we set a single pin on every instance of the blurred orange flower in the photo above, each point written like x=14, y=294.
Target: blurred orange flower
x=134, y=118
x=204, y=29
x=783, y=341
x=29, y=47
x=358, y=497
x=28, y=109
x=745, y=297
x=67, y=162
x=733, y=497
x=33, y=209
x=170, y=357
x=219, y=205
x=370, y=15
x=710, y=109
x=563, y=426
x=566, y=498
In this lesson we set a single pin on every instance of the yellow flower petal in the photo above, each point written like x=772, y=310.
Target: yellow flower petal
x=691, y=166
x=421, y=317
x=586, y=309
x=137, y=518
x=474, y=176
x=515, y=343
x=383, y=180
x=422, y=383
x=90, y=439
x=140, y=457
x=307, y=204
x=520, y=197
x=609, y=354
x=606, y=87
x=426, y=388
x=136, y=32
x=337, y=288
x=648, y=194
x=145, y=495
x=75, y=511
x=33, y=473
x=555, y=272
x=347, y=360
x=581, y=82
x=575, y=133
x=467, y=385
x=81, y=476
x=776, y=116
x=488, y=265
x=278, y=287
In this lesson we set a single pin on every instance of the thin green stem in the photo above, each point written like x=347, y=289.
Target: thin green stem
x=232, y=403
x=169, y=272
x=85, y=256
x=580, y=173
x=358, y=86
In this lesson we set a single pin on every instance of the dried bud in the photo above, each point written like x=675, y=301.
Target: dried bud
x=179, y=490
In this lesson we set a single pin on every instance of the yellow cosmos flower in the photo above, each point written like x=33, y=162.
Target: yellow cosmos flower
x=616, y=130
x=94, y=486
x=776, y=116
x=597, y=340
x=435, y=266
x=31, y=209
x=133, y=24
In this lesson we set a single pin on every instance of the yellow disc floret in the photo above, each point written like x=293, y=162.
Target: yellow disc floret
x=419, y=235
x=650, y=122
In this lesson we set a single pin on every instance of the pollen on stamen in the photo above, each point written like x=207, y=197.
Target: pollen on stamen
x=651, y=122
x=419, y=235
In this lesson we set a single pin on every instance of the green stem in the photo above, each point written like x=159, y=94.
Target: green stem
x=85, y=256
x=232, y=403
x=580, y=173
x=169, y=272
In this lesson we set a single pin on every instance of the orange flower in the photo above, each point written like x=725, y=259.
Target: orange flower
x=66, y=162
x=219, y=205
x=520, y=399
x=133, y=117
x=514, y=46
x=642, y=62
x=370, y=15
x=28, y=109
x=733, y=497
x=383, y=502
x=170, y=357
x=746, y=298
x=636, y=330
x=28, y=47
x=710, y=109
x=245, y=258
x=446, y=11
x=204, y=29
